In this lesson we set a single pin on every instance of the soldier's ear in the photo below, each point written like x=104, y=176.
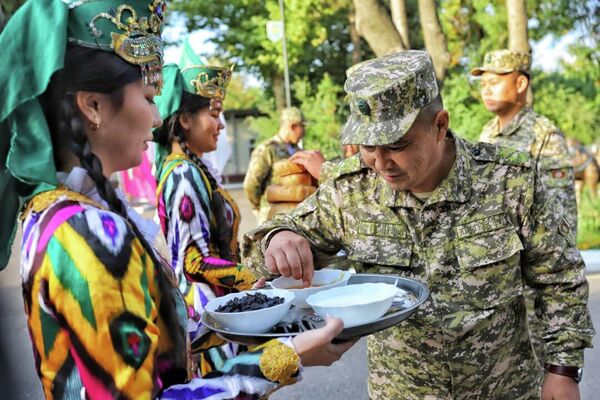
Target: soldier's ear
x=522, y=83
x=441, y=123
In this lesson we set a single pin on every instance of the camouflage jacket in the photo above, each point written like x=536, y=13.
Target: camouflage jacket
x=537, y=135
x=482, y=235
x=258, y=176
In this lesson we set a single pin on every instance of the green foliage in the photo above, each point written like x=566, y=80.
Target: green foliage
x=321, y=110
x=588, y=225
x=462, y=100
x=267, y=125
x=317, y=35
x=473, y=27
x=559, y=17
x=242, y=96
x=563, y=100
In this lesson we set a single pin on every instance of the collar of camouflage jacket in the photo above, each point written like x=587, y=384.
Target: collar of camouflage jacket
x=514, y=124
x=456, y=187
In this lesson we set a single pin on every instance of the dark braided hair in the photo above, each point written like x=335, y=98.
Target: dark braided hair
x=100, y=71
x=191, y=104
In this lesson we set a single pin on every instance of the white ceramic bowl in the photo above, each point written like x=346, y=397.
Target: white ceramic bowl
x=322, y=280
x=256, y=321
x=355, y=304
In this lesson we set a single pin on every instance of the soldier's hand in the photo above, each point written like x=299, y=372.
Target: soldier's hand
x=289, y=254
x=311, y=160
x=314, y=347
x=559, y=387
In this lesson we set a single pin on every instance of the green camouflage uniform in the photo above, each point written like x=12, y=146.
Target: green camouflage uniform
x=484, y=232
x=537, y=135
x=258, y=176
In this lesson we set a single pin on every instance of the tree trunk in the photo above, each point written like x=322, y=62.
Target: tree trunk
x=400, y=20
x=278, y=90
x=356, y=55
x=517, y=25
x=517, y=32
x=376, y=26
x=435, y=41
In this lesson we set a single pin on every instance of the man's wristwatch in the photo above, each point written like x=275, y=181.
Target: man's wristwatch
x=572, y=372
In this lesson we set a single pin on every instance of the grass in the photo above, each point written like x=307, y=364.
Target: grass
x=588, y=235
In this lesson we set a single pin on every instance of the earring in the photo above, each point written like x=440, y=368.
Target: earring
x=94, y=125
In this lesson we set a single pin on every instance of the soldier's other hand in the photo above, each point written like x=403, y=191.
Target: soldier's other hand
x=559, y=387
x=309, y=159
x=314, y=347
x=289, y=254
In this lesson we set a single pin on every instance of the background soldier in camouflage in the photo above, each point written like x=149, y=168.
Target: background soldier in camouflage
x=465, y=219
x=280, y=146
x=505, y=77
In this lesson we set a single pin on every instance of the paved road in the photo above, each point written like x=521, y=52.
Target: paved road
x=346, y=379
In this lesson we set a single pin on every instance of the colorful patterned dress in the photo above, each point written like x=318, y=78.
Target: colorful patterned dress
x=190, y=224
x=92, y=301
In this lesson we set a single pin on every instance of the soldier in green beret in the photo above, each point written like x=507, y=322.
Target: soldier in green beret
x=505, y=79
x=467, y=220
x=279, y=147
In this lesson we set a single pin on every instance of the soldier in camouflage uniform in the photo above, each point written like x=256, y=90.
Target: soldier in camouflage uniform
x=467, y=220
x=505, y=77
x=279, y=147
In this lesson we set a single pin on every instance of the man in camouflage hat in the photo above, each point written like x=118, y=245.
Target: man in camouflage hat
x=279, y=147
x=505, y=78
x=467, y=220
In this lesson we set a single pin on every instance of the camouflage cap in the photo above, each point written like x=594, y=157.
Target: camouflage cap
x=386, y=95
x=504, y=61
x=291, y=115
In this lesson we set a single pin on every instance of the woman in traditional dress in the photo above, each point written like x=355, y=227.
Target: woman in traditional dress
x=78, y=79
x=198, y=217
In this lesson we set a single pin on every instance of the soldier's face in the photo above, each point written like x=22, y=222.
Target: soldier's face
x=411, y=163
x=499, y=92
x=296, y=132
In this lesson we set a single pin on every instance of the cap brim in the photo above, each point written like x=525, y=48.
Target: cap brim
x=360, y=130
x=480, y=71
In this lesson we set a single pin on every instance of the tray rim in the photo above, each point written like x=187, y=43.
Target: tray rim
x=347, y=333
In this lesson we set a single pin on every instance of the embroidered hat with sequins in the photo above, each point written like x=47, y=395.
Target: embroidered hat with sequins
x=34, y=44
x=132, y=30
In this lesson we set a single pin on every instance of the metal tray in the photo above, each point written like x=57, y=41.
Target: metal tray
x=299, y=320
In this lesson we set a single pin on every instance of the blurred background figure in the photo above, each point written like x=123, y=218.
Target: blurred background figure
x=281, y=146
x=585, y=167
x=138, y=183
